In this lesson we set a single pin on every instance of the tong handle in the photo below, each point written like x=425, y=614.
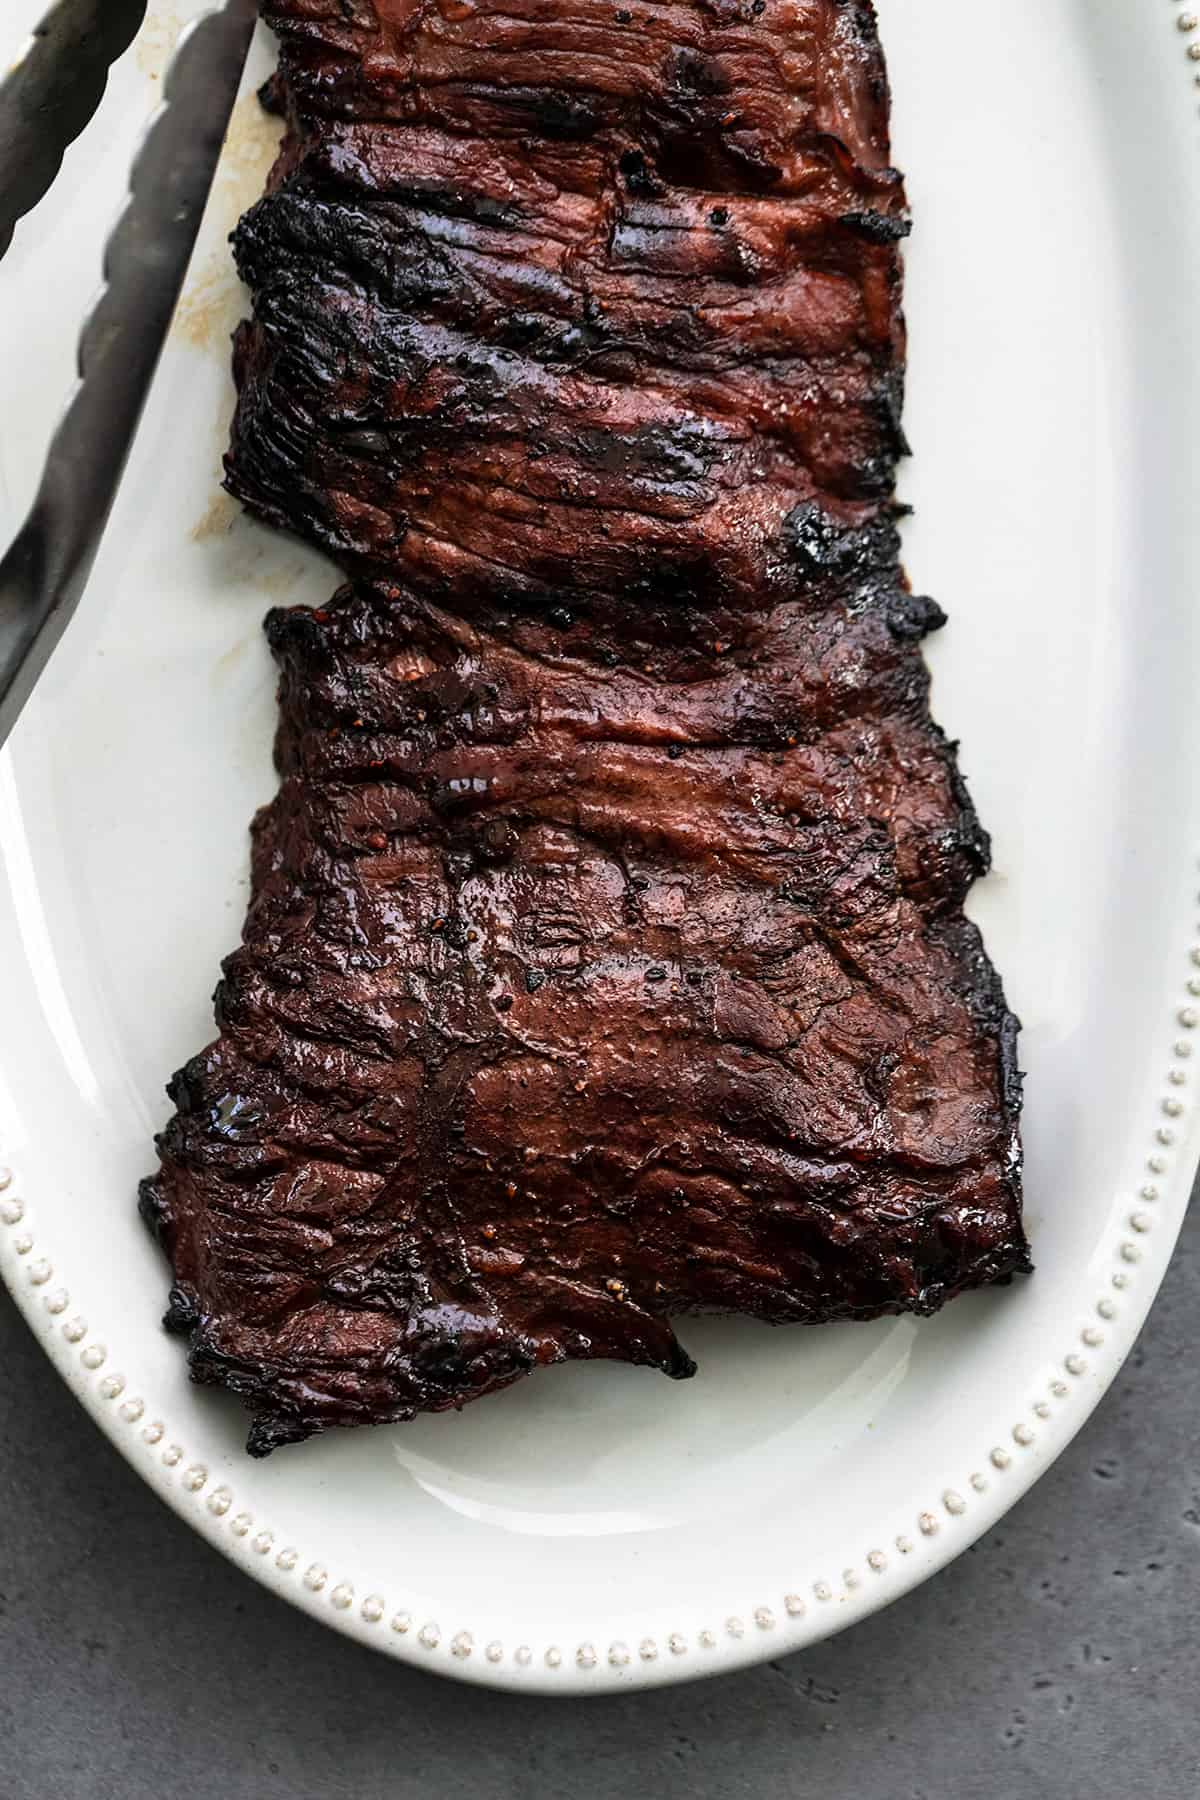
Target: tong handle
x=52, y=94
x=47, y=566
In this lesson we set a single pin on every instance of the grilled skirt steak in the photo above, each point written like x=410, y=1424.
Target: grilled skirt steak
x=606, y=960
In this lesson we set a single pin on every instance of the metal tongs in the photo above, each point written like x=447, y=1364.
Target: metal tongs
x=45, y=103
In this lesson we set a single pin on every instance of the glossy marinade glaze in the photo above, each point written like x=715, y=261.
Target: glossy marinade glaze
x=606, y=960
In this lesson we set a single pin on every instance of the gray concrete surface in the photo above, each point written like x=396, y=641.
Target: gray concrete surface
x=1058, y=1658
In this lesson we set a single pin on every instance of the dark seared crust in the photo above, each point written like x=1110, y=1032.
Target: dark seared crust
x=606, y=960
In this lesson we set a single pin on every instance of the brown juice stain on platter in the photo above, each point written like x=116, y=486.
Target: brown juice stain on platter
x=247, y=555
x=251, y=146
x=229, y=661
x=155, y=43
x=279, y=579
x=220, y=516
x=210, y=308
x=213, y=302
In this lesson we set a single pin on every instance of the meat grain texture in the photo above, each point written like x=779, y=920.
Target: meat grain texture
x=606, y=960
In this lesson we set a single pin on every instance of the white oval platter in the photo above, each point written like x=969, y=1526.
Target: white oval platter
x=599, y=1528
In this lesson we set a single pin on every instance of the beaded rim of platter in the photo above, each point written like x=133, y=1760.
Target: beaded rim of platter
x=793, y=1614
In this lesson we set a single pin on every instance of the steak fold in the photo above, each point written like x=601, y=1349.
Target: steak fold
x=606, y=960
